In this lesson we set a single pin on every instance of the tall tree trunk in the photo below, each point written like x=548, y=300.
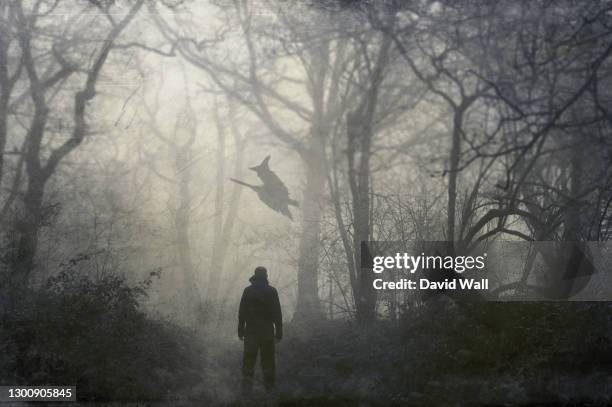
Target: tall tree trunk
x=7, y=81
x=359, y=146
x=308, y=305
x=232, y=212
x=219, y=246
x=4, y=97
x=360, y=132
x=573, y=222
x=28, y=229
x=182, y=220
x=453, y=173
x=28, y=225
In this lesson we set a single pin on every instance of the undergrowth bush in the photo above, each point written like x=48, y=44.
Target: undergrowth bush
x=90, y=332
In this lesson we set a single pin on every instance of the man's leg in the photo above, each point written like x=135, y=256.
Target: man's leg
x=267, y=362
x=248, y=364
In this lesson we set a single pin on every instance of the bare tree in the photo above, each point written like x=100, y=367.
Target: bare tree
x=224, y=221
x=29, y=22
x=179, y=144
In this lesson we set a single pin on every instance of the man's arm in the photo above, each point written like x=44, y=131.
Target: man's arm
x=277, y=316
x=242, y=315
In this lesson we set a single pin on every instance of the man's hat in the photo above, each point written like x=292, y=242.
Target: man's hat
x=261, y=272
x=261, y=275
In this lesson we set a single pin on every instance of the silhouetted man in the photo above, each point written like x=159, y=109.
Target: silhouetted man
x=260, y=322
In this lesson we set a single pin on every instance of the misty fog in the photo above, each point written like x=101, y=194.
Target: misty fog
x=124, y=126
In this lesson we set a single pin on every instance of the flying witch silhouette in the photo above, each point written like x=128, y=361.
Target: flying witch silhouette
x=273, y=191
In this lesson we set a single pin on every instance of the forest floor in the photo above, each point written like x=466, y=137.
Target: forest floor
x=453, y=360
x=494, y=355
